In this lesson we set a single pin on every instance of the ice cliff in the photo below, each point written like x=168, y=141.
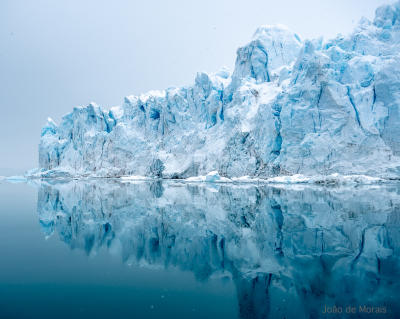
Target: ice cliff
x=289, y=107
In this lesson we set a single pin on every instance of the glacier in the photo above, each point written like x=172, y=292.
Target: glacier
x=290, y=107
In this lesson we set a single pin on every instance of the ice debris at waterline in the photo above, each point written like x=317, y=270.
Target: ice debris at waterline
x=291, y=106
x=15, y=179
x=289, y=252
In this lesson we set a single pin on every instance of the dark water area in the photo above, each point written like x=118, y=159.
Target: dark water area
x=113, y=249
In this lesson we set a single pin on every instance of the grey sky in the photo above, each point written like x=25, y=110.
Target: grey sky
x=58, y=54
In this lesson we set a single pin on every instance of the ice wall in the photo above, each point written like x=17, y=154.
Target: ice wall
x=290, y=106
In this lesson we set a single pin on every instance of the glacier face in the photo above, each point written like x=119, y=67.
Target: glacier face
x=285, y=249
x=289, y=107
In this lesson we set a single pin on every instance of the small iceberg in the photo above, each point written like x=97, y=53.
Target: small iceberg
x=211, y=177
x=134, y=178
x=214, y=177
x=16, y=179
x=332, y=179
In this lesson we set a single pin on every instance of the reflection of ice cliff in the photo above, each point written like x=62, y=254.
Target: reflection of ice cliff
x=289, y=251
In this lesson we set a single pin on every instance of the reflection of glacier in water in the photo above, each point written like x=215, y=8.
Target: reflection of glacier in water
x=289, y=251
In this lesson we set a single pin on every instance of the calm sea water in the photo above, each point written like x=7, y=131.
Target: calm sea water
x=107, y=249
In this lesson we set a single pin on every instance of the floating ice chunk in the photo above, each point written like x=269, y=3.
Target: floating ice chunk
x=333, y=179
x=297, y=178
x=214, y=177
x=196, y=179
x=211, y=177
x=134, y=178
x=16, y=179
x=245, y=179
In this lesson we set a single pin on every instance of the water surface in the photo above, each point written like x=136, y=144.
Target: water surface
x=107, y=249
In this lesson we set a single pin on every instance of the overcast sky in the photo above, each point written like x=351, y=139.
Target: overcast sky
x=55, y=55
